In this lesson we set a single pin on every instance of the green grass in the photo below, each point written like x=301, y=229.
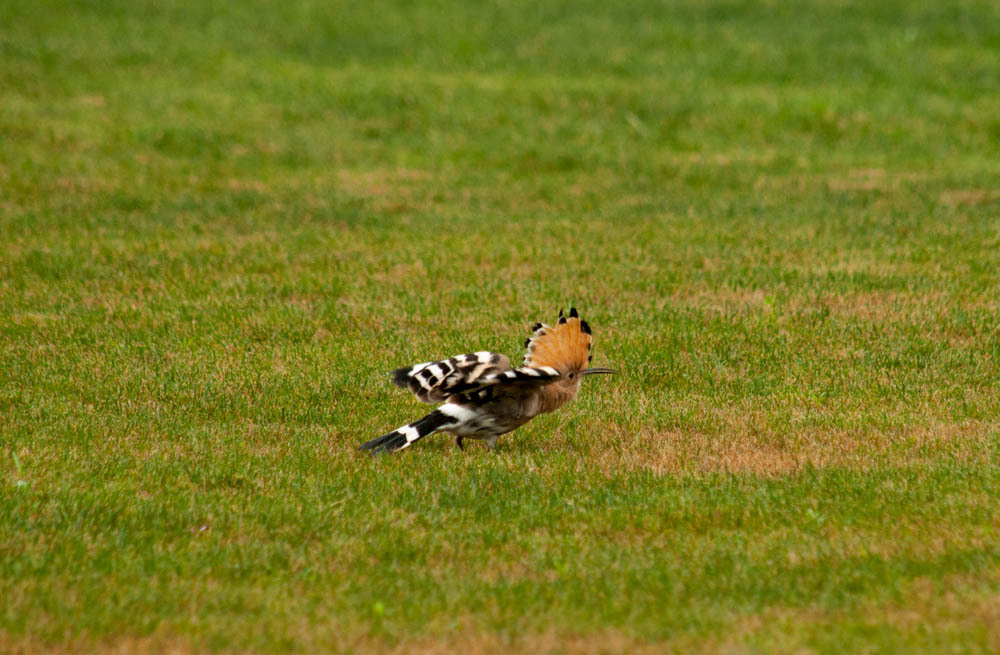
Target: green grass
x=221, y=225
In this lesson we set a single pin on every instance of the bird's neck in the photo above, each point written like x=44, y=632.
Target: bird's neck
x=555, y=396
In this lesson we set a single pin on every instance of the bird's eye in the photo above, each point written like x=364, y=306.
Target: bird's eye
x=571, y=375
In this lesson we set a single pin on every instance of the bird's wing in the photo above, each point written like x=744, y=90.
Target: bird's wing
x=435, y=382
x=513, y=381
x=565, y=347
x=465, y=375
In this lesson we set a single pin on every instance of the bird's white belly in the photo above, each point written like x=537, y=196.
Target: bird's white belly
x=478, y=422
x=480, y=427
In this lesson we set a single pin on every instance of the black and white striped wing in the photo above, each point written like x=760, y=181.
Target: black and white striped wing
x=494, y=385
x=436, y=382
x=532, y=375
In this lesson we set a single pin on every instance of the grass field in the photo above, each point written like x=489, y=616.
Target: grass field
x=221, y=224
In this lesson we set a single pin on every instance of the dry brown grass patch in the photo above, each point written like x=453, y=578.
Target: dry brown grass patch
x=464, y=641
x=79, y=645
x=386, y=189
x=867, y=179
x=964, y=197
x=751, y=447
x=547, y=643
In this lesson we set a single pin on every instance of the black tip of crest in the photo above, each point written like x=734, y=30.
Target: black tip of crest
x=572, y=313
x=585, y=327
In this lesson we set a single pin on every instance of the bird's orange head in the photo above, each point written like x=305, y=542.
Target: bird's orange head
x=565, y=347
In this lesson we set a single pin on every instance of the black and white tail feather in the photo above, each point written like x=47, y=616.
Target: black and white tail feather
x=410, y=433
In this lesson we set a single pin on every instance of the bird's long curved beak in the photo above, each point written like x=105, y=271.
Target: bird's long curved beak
x=593, y=371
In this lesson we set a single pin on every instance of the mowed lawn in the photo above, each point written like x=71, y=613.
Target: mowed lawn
x=222, y=224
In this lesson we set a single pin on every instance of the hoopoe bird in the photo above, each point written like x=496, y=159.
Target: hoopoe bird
x=484, y=397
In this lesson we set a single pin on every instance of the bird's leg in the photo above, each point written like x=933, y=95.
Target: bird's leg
x=458, y=441
x=490, y=442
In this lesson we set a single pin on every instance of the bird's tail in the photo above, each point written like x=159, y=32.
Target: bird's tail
x=402, y=437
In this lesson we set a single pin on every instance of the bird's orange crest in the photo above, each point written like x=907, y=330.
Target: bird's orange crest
x=565, y=347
